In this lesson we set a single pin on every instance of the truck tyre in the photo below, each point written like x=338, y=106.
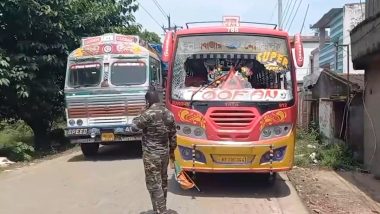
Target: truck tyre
x=89, y=149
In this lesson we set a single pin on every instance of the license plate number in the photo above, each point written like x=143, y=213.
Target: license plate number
x=131, y=138
x=107, y=137
x=231, y=159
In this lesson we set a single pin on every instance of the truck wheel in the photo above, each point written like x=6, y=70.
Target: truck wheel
x=89, y=149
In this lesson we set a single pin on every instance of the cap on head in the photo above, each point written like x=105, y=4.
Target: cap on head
x=152, y=97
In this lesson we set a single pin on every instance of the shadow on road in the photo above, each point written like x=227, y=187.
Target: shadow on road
x=120, y=151
x=233, y=186
x=363, y=181
x=152, y=212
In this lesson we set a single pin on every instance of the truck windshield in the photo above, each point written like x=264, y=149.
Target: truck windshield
x=240, y=68
x=128, y=73
x=84, y=75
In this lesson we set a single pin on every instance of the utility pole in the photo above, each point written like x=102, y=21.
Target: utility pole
x=280, y=14
x=169, y=26
x=348, y=65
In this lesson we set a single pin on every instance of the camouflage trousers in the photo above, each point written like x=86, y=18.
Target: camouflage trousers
x=156, y=178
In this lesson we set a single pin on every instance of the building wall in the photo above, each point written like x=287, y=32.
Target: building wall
x=326, y=118
x=372, y=8
x=301, y=72
x=355, y=130
x=372, y=118
x=353, y=15
x=334, y=58
x=327, y=54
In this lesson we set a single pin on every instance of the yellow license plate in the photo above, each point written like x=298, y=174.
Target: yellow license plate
x=231, y=159
x=108, y=137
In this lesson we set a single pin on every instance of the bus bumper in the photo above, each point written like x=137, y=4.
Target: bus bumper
x=273, y=155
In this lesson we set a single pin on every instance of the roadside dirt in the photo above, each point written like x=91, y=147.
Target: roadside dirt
x=325, y=191
x=40, y=159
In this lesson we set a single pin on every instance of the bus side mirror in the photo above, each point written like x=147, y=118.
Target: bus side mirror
x=167, y=50
x=298, y=50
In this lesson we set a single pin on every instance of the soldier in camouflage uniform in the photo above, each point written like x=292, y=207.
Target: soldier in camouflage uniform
x=158, y=145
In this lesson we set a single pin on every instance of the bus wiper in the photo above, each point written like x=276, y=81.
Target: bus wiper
x=204, y=87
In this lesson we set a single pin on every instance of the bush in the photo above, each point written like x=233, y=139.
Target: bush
x=307, y=144
x=17, y=151
x=337, y=155
x=15, y=141
x=311, y=149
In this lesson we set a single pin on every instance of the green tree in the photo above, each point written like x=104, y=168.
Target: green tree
x=35, y=39
x=151, y=37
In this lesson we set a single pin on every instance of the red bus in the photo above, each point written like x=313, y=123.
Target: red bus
x=232, y=88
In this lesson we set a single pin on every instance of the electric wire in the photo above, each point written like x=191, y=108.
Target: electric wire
x=273, y=12
x=160, y=8
x=151, y=16
x=304, y=18
x=290, y=14
x=371, y=123
x=295, y=14
x=287, y=6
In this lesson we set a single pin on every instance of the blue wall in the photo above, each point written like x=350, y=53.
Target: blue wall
x=327, y=54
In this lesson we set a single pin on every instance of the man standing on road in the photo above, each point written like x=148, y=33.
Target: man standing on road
x=158, y=145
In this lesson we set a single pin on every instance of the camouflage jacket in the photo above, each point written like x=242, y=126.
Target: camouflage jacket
x=159, y=130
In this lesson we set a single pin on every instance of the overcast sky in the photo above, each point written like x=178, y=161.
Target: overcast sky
x=182, y=11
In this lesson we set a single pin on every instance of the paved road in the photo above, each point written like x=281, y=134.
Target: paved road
x=113, y=183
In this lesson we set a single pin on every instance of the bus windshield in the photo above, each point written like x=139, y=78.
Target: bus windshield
x=231, y=68
x=84, y=75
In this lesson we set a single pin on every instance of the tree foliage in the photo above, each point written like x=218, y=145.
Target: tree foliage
x=150, y=37
x=35, y=39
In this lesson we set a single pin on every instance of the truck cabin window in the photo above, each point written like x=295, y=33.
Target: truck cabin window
x=128, y=73
x=86, y=75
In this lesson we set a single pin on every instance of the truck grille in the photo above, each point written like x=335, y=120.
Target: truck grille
x=235, y=118
x=104, y=106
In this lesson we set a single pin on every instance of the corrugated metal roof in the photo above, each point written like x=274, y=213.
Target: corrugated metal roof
x=355, y=78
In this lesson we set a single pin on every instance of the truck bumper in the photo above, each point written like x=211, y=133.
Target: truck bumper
x=104, y=135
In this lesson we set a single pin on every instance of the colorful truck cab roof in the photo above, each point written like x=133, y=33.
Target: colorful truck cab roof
x=115, y=44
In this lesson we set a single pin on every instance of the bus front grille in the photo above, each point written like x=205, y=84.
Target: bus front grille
x=224, y=118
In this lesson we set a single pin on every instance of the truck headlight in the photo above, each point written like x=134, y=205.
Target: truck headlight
x=275, y=131
x=71, y=122
x=79, y=122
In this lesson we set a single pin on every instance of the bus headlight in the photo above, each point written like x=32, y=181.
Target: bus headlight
x=187, y=154
x=191, y=131
x=186, y=130
x=198, y=132
x=278, y=155
x=275, y=131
